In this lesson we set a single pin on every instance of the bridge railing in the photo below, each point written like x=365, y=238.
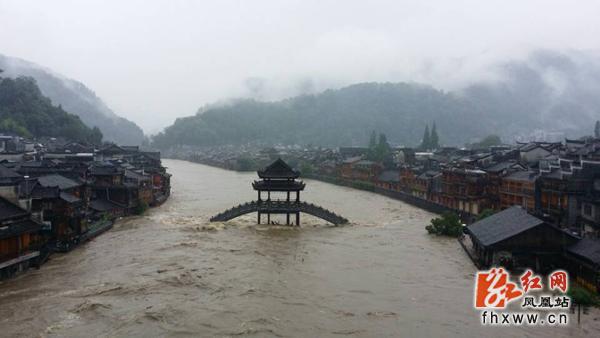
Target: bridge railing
x=308, y=208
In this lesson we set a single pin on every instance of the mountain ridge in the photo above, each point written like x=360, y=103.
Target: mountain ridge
x=76, y=98
x=549, y=95
x=24, y=111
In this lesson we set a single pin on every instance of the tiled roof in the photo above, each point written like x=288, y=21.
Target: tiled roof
x=18, y=228
x=27, y=186
x=365, y=163
x=555, y=173
x=529, y=147
x=69, y=198
x=389, y=176
x=587, y=248
x=9, y=210
x=40, y=192
x=154, y=155
x=278, y=169
x=8, y=173
x=527, y=176
x=500, y=166
x=429, y=174
x=135, y=176
x=105, y=169
x=352, y=159
x=102, y=205
x=503, y=225
x=57, y=181
x=112, y=149
x=131, y=148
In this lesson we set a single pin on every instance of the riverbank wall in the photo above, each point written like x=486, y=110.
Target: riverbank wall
x=368, y=186
x=398, y=195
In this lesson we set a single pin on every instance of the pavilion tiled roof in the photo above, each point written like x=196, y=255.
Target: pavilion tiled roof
x=278, y=169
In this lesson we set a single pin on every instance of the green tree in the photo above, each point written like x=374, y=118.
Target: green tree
x=426, y=142
x=95, y=136
x=373, y=140
x=488, y=141
x=141, y=208
x=582, y=296
x=434, y=140
x=383, y=149
x=246, y=163
x=26, y=112
x=485, y=213
x=12, y=126
x=447, y=225
x=306, y=168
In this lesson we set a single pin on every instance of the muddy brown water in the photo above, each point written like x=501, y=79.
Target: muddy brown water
x=172, y=273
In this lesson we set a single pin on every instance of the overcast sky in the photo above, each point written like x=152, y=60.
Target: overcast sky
x=153, y=61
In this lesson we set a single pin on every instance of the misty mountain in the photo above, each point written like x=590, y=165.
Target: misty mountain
x=76, y=98
x=548, y=95
x=26, y=112
x=335, y=117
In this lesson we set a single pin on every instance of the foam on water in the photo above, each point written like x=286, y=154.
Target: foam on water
x=171, y=272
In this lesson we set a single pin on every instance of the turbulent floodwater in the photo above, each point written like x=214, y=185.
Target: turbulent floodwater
x=171, y=273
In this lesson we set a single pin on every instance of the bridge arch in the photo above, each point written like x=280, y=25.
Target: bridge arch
x=254, y=206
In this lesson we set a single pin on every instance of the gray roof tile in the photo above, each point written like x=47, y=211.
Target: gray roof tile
x=588, y=249
x=503, y=225
x=57, y=181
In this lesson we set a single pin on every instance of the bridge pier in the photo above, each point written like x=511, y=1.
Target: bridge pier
x=279, y=177
x=255, y=206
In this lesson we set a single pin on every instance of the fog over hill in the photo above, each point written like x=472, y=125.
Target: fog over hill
x=24, y=111
x=548, y=95
x=76, y=98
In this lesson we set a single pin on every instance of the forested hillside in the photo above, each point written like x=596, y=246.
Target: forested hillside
x=77, y=99
x=335, y=117
x=547, y=96
x=26, y=112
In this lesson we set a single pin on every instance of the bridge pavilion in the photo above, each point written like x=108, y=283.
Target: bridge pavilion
x=278, y=180
x=279, y=193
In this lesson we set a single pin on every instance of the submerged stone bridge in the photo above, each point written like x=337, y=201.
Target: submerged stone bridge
x=254, y=206
x=279, y=178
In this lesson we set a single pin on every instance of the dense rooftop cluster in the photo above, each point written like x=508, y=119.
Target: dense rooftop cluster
x=556, y=184
x=55, y=195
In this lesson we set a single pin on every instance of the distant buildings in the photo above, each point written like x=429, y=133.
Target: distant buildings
x=54, y=196
x=556, y=186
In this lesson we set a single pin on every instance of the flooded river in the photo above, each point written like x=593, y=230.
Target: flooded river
x=172, y=273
